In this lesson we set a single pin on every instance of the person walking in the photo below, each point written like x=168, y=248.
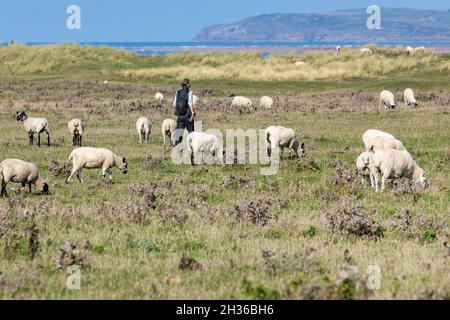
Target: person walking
x=184, y=110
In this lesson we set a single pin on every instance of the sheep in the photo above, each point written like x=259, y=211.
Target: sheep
x=366, y=51
x=76, y=129
x=373, y=133
x=266, y=102
x=240, y=101
x=34, y=125
x=299, y=63
x=159, y=97
x=362, y=164
x=379, y=143
x=419, y=49
x=338, y=49
x=205, y=143
x=278, y=136
x=394, y=164
x=19, y=171
x=91, y=158
x=409, y=50
x=144, y=128
x=408, y=95
x=387, y=99
x=168, y=129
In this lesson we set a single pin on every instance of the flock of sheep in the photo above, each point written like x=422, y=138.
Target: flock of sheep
x=384, y=153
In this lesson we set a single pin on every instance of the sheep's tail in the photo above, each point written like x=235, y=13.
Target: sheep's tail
x=70, y=157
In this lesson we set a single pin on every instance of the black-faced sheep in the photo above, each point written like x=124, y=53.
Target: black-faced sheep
x=34, y=125
x=19, y=171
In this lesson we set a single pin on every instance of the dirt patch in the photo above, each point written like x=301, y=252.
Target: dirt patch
x=189, y=264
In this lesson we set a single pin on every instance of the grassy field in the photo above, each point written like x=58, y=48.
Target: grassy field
x=205, y=232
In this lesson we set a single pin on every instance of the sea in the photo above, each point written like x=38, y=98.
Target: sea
x=265, y=48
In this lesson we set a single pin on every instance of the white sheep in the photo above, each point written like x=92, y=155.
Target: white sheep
x=339, y=49
x=387, y=99
x=366, y=51
x=379, y=143
x=34, y=125
x=373, y=133
x=419, y=50
x=300, y=63
x=409, y=50
x=159, y=97
x=144, y=128
x=91, y=158
x=393, y=164
x=278, y=136
x=240, y=101
x=168, y=129
x=18, y=171
x=76, y=129
x=266, y=102
x=207, y=144
x=362, y=164
x=410, y=100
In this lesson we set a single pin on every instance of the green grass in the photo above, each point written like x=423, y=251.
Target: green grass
x=132, y=256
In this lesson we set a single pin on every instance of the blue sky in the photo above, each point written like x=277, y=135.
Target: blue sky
x=151, y=20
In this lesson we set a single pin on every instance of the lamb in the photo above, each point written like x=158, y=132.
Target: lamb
x=240, y=101
x=408, y=95
x=159, y=97
x=91, y=158
x=205, y=143
x=34, y=125
x=379, y=143
x=409, y=50
x=144, y=128
x=168, y=129
x=387, y=99
x=366, y=51
x=76, y=129
x=278, y=136
x=362, y=164
x=394, y=164
x=266, y=102
x=15, y=170
x=373, y=133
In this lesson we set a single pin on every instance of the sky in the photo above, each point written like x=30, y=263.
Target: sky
x=154, y=20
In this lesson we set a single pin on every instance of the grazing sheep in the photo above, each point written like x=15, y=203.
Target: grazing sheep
x=362, y=164
x=299, y=63
x=366, y=51
x=144, y=128
x=76, y=129
x=278, y=136
x=266, y=102
x=19, y=171
x=408, y=95
x=373, y=133
x=168, y=129
x=387, y=99
x=159, y=97
x=205, y=143
x=379, y=143
x=338, y=49
x=409, y=50
x=34, y=125
x=419, y=50
x=393, y=164
x=91, y=158
x=240, y=101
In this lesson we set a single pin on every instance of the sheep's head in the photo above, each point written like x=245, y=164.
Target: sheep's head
x=21, y=116
x=299, y=148
x=124, y=166
x=419, y=176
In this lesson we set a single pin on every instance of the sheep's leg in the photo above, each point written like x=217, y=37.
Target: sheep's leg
x=80, y=178
x=110, y=174
x=383, y=183
x=192, y=157
x=31, y=138
x=281, y=153
x=48, y=137
x=74, y=170
x=39, y=138
x=74, y=140
x=79, y=140
x=3, y=192
x=29, y=187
